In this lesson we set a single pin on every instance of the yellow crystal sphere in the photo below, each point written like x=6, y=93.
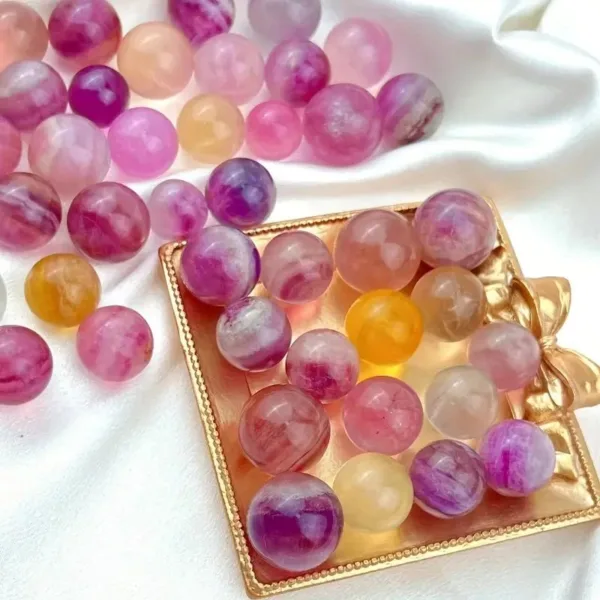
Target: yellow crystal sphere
x=62, y=289
x=375, y=491
x=210, y=128
x=385, y=326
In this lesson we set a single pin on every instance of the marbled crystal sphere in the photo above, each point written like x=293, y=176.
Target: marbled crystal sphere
x=448, y=479
x=283, y=429
x=377, y=249
x=383, y=414
x=62, y=289
x=178, y=210
x=210, y=128
x=375, y=492
x=518, y=457
x=25, y=364
x=156, y=60
x=253, y=334
x=273, y=130
x=99, y=94
x=461, y=402
x=70, y=152
x=108, y=222
x=241, y=193
x=324, y=364
x=220, y=265
x=30, y=212
x=115, y=343
x=143, y=142
x=411, y=107
x=455, y=227
x=342, y=124
x=30, y=92
x=295, y=522
x=452, y=301
x=297, y=267
x=10, y=147
x=202, y=19
x=281, y=20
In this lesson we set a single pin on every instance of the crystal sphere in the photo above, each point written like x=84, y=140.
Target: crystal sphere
x=448, y=479
x=253, y=334
x=108, y=222
x=210, y=128
x=178, y=210
x=452, y=301
x=375, y=492
x=360, y=52
x=411, y=107
x=507, y=353
x=3, y=298
x=70, y=152
x=281, y=20
x=382, y=414
x=10, y=147
x=273, y=130
x=299, y=534
x=241, y=193
x=30, y=92
x=143, y=142
x=30, y=212
x=99, y=94
x=342, y=125
x=518, y=457
x=115, y=343
x=220, y=265
x=455, y=227
x=202, y=19
x=377, y=249
x=25, y=364
x=385, y=326
x=156, y=60
x=461, y=402
x=283, y=429
x=62, y=289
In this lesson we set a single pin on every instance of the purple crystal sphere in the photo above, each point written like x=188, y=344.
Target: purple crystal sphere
x=280, y=20
x=448, y=479
x=10, y=147
x=220, y=265
x=202, y=19
x=295, y=522
x=25, y=364
x=518, y=457
x=241, y=193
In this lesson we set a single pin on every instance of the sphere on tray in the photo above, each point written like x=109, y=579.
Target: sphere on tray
x=10, y=147
x=297, y=267
x=253, y=334
x=518, y=457
x=280, y=20
x=383, y=414
x=200, y=20
x=300, y=535
x=448, y=479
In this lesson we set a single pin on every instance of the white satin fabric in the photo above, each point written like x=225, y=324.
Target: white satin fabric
x=108, y=492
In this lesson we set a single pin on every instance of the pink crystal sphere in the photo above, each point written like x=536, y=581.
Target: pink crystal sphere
x=324, y=364
x=455, y=227
x=253, y=334
x=280, y=20
x=360, y=52
x=178, y=210
x=25, y=364
x=70, y=152
x=10, y=147
x=507, y=353
x=383, y=414
x=30, y=212
x=115, y=343
x=202, y=19
x=108, y=222
x=30, y=92
x=273, y=130
x=85, y=31
x=230, y=65
x=283, y=429
x=295, y=71
x=143, y=142
x=342, y=124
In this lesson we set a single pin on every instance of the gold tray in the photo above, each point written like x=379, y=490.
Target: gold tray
x=221, y=391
